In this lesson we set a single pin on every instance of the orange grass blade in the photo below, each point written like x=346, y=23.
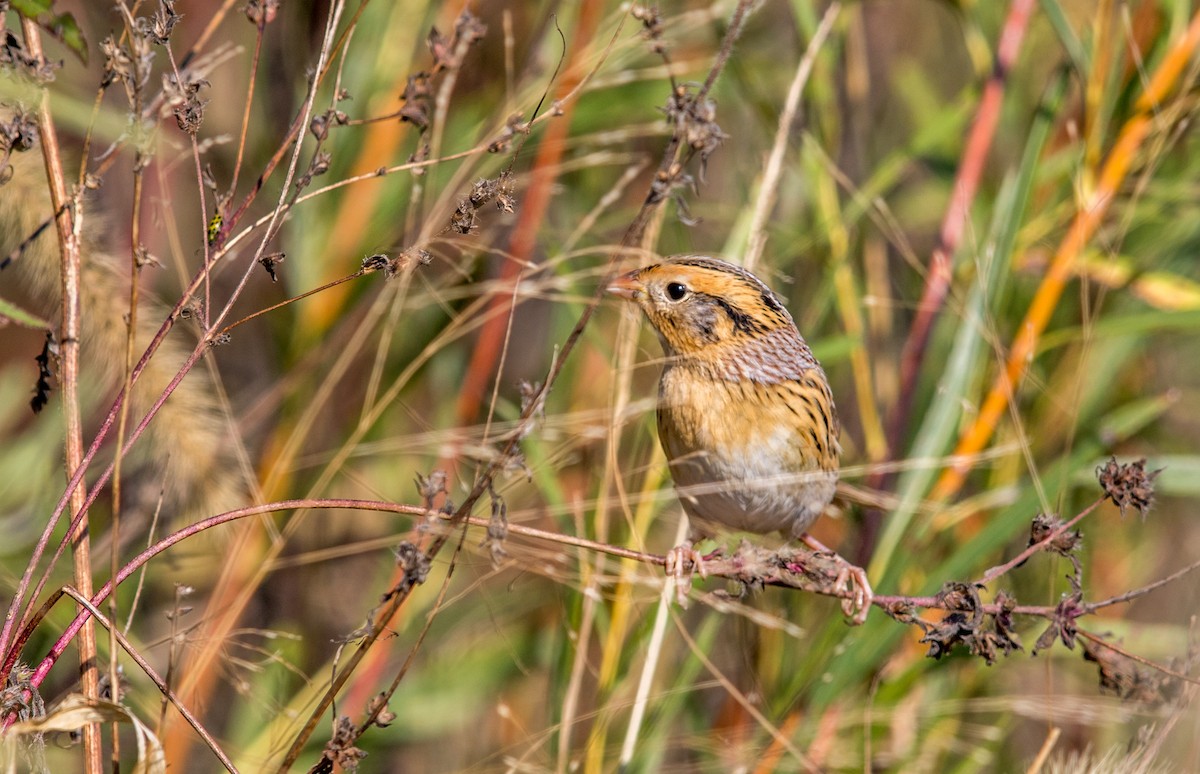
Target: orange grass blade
x=1061, y=267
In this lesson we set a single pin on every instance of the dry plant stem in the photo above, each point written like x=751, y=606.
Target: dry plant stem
x=323, y=59
x=203, y=684
x=719, y=567
x=653, y=652
x=293, y=132
x=203, y=196
x=154, y=676
x=114, y=556
x=68, y=226
x=441, y=103
x=172, y=656
x=214, y=21
x=1129, y=596
x=732, y=567
x=386, y=695
x=633, y=234
x=1044, y=753
x=622, y=614
x=1139, y=659
x=291, y=300
x=380, y=621
x=731, y=36
x=769, y=191
x=581, y=661
x=1083, y=226
x=123, y=418
x=254, y=60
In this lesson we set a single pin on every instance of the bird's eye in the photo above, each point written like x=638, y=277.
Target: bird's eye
x=676, y=291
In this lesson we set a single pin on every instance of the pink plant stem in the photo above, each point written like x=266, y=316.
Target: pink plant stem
x=11, y=614
x=966, y=183
x=999, y=570
x=149, y=553
x=73, y=484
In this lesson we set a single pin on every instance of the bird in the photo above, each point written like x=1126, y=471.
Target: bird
x=745, y=414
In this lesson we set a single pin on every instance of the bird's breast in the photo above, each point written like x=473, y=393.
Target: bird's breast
x=742, y=455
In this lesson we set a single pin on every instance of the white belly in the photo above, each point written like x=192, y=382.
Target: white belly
x=751, y=489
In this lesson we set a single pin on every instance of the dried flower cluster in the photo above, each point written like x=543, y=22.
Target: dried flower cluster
x=1128, y=486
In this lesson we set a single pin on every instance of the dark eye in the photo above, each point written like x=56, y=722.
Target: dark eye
x=676, y=291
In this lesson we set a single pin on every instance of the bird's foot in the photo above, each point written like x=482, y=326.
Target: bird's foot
x=683, y=562
x=850, y=577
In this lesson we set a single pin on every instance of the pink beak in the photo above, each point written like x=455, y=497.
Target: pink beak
x=626, y=286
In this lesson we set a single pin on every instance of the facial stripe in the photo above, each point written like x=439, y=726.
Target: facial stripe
x=742, y=322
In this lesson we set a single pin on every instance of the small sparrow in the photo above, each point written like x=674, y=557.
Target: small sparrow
x=745, y=414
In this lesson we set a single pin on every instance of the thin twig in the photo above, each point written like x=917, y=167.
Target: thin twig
x=162, y=685
x=1139, y=659
x=1129, y=596
x=250, y=82
x=999, y=570
x=71, y=630
x=769, y=188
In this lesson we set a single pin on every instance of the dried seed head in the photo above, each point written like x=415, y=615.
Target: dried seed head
x=429, y=487
x=1128, y=485
x=378, y=708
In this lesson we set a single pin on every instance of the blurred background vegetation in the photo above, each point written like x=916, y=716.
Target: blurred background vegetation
x=533, y=659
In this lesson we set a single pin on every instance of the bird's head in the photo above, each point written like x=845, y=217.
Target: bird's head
x=697, y=303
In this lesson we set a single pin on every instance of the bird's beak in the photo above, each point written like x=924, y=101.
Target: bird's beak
x=626, y=286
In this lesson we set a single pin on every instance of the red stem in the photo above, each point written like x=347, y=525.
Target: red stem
x=966, y=183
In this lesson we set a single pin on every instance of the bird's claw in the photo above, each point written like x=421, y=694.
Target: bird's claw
x=854, y=579
x=683, y=562
x=850, y=577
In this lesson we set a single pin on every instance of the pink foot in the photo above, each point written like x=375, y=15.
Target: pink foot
x=851, y=577
x=683, y=561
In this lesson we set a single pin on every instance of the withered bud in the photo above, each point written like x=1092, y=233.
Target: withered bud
x=319, y=126
x=1128, y=485
x=482, y=192
x=1046, y=524
x=429, y=487
x=379, y=709
x=262, y=12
